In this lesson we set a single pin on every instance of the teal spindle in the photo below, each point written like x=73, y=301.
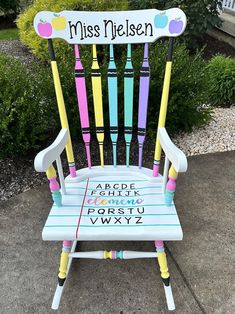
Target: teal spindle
x=113, y=103
x=128, y=102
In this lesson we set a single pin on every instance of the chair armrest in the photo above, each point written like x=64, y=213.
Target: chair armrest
x=47, y=156
x=173, y=153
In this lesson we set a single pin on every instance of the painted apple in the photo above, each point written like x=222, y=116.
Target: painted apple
x=161, y=20
x=44, y=29
x=176, y=26
x=58, y=22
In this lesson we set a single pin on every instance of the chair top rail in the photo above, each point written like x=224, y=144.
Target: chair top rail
x=114, y=27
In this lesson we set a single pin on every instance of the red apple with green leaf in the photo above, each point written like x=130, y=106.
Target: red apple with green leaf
x=44, y=29
x=176, y=26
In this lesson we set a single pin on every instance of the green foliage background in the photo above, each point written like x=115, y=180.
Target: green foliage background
x=27, y=99
x=24, y=107
x=201, y=16
x=37, y=44
x=220, y=73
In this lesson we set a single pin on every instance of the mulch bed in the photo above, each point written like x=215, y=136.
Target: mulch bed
x=17, y=50
x=214, y=46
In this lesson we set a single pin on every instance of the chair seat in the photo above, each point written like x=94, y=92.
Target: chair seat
x=113, y=204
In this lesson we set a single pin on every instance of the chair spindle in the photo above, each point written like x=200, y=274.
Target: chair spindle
x=54, y=185
x=143, y=102
x=113, y=102
x=82, y=103
x=61, y=175
x=98, y=104
x=170, y=186
x=128, y=102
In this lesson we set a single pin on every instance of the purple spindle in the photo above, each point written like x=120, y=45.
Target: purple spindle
x=143, y=102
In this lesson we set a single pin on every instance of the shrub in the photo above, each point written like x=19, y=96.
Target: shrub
x=39, y=45
x=201, y=15
x=24, y=107
x=9, y=7
x=221, y=81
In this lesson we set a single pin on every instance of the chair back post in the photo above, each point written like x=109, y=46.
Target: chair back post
x=82, y=102
x=163, y=107
x=61, y=108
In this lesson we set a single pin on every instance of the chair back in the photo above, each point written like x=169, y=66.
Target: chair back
x=111, y=28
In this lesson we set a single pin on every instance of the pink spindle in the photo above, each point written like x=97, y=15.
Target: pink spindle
x=159, y=243
x=72, y=171
x=88, y=152
x=54, y=185
x=171, y=184
x=55, y=191
x=82, y=103
x=155, y=170
x=67, y=243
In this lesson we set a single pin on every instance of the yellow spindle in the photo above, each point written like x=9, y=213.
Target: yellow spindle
x=51, y=173
x=64, y=258
x=98, y=104
x=163, y=265
x=173, y=173
x=108, y=254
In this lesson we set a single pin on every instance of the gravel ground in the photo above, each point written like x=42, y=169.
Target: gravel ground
x=15, y=49
x=217, y=136
x=18, y=175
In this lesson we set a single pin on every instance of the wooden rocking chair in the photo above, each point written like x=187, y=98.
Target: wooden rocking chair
x=112, y=202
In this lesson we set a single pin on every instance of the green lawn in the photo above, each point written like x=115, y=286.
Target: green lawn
x=9, y=33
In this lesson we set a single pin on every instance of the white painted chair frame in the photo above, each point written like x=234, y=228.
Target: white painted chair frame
x=47, y=156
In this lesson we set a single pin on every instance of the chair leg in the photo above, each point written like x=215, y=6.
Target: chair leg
x=65, y=263
x=162, y=261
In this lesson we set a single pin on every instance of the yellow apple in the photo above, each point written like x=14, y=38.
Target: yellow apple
x=59, y=23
